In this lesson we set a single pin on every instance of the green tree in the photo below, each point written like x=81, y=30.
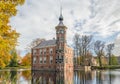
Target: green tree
x=114, y=60
x=109, y=49
x=13, y=61
x=8, y=36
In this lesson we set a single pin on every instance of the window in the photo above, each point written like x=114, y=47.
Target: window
x=34, y=60
x=44, y=51
x=62, y=38
x=34, y=52
x=62, y=31
x=60, y=56
x=44, y=59
x=57, y=38
x=40, y=51
x=51, y=50
x=51, y=59
x=57, y=32
x=40, y=60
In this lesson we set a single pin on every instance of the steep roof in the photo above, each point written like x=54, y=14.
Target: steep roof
x=46, y=43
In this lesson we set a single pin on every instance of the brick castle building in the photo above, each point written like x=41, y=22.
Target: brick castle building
x=53, y=54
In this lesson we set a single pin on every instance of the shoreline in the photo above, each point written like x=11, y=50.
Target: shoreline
x=105, y=67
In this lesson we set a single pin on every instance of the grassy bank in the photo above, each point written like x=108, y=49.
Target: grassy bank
x=106, y=67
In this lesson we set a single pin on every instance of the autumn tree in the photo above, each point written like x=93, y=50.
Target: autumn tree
x=26, y=60
x=109, y=50
x=99, y=50
x=8, y=36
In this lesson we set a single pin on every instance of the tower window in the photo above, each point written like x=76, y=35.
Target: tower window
x=51, y=59
x=57, y=32
x=62, y=31
x=62, y=39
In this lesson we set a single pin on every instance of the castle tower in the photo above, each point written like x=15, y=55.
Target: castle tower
x=60, y=43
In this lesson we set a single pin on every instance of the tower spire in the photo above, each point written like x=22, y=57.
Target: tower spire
x=61, y=17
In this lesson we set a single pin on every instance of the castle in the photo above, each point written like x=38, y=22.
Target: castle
x=53, y=54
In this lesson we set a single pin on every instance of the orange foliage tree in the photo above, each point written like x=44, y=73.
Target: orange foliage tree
x=26, y=60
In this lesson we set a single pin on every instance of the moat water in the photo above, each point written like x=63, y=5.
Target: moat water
x=26, y=76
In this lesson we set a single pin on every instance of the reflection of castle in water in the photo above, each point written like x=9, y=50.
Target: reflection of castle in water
x=48, y=77
x=84, y=77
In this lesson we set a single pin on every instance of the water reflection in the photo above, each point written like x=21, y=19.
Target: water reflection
x=84, y=77
x=47, y=77
x=16, y=76
x=78, y=77
x=66, y=77
x=8, y=77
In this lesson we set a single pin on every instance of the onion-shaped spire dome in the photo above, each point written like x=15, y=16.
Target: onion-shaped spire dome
x=61, y=17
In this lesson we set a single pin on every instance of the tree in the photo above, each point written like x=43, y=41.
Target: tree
x=99, y=50
x=86, y=43
x=8, y=36
x=13, y=61
x=34, y=43
x=26, y=61
x=76, y=46
x=114, y=60
x=82, y=46
x=109, y=51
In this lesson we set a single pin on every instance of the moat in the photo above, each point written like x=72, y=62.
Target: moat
x=25, y=76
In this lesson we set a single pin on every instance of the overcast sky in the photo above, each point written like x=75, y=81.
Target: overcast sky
x=38, y=18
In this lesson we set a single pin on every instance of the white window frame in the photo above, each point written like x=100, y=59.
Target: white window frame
x=44, y=51
x=51, y=50
x=34, y=60
x=51, y=59
x=41, y=60
x=45, y=59
x=40, y=51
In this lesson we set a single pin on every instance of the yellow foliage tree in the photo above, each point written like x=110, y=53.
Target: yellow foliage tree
x=8, y=36
x=26, y=61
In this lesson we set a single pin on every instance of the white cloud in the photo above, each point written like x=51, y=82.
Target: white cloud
x=117, y=45
x=38, y=18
